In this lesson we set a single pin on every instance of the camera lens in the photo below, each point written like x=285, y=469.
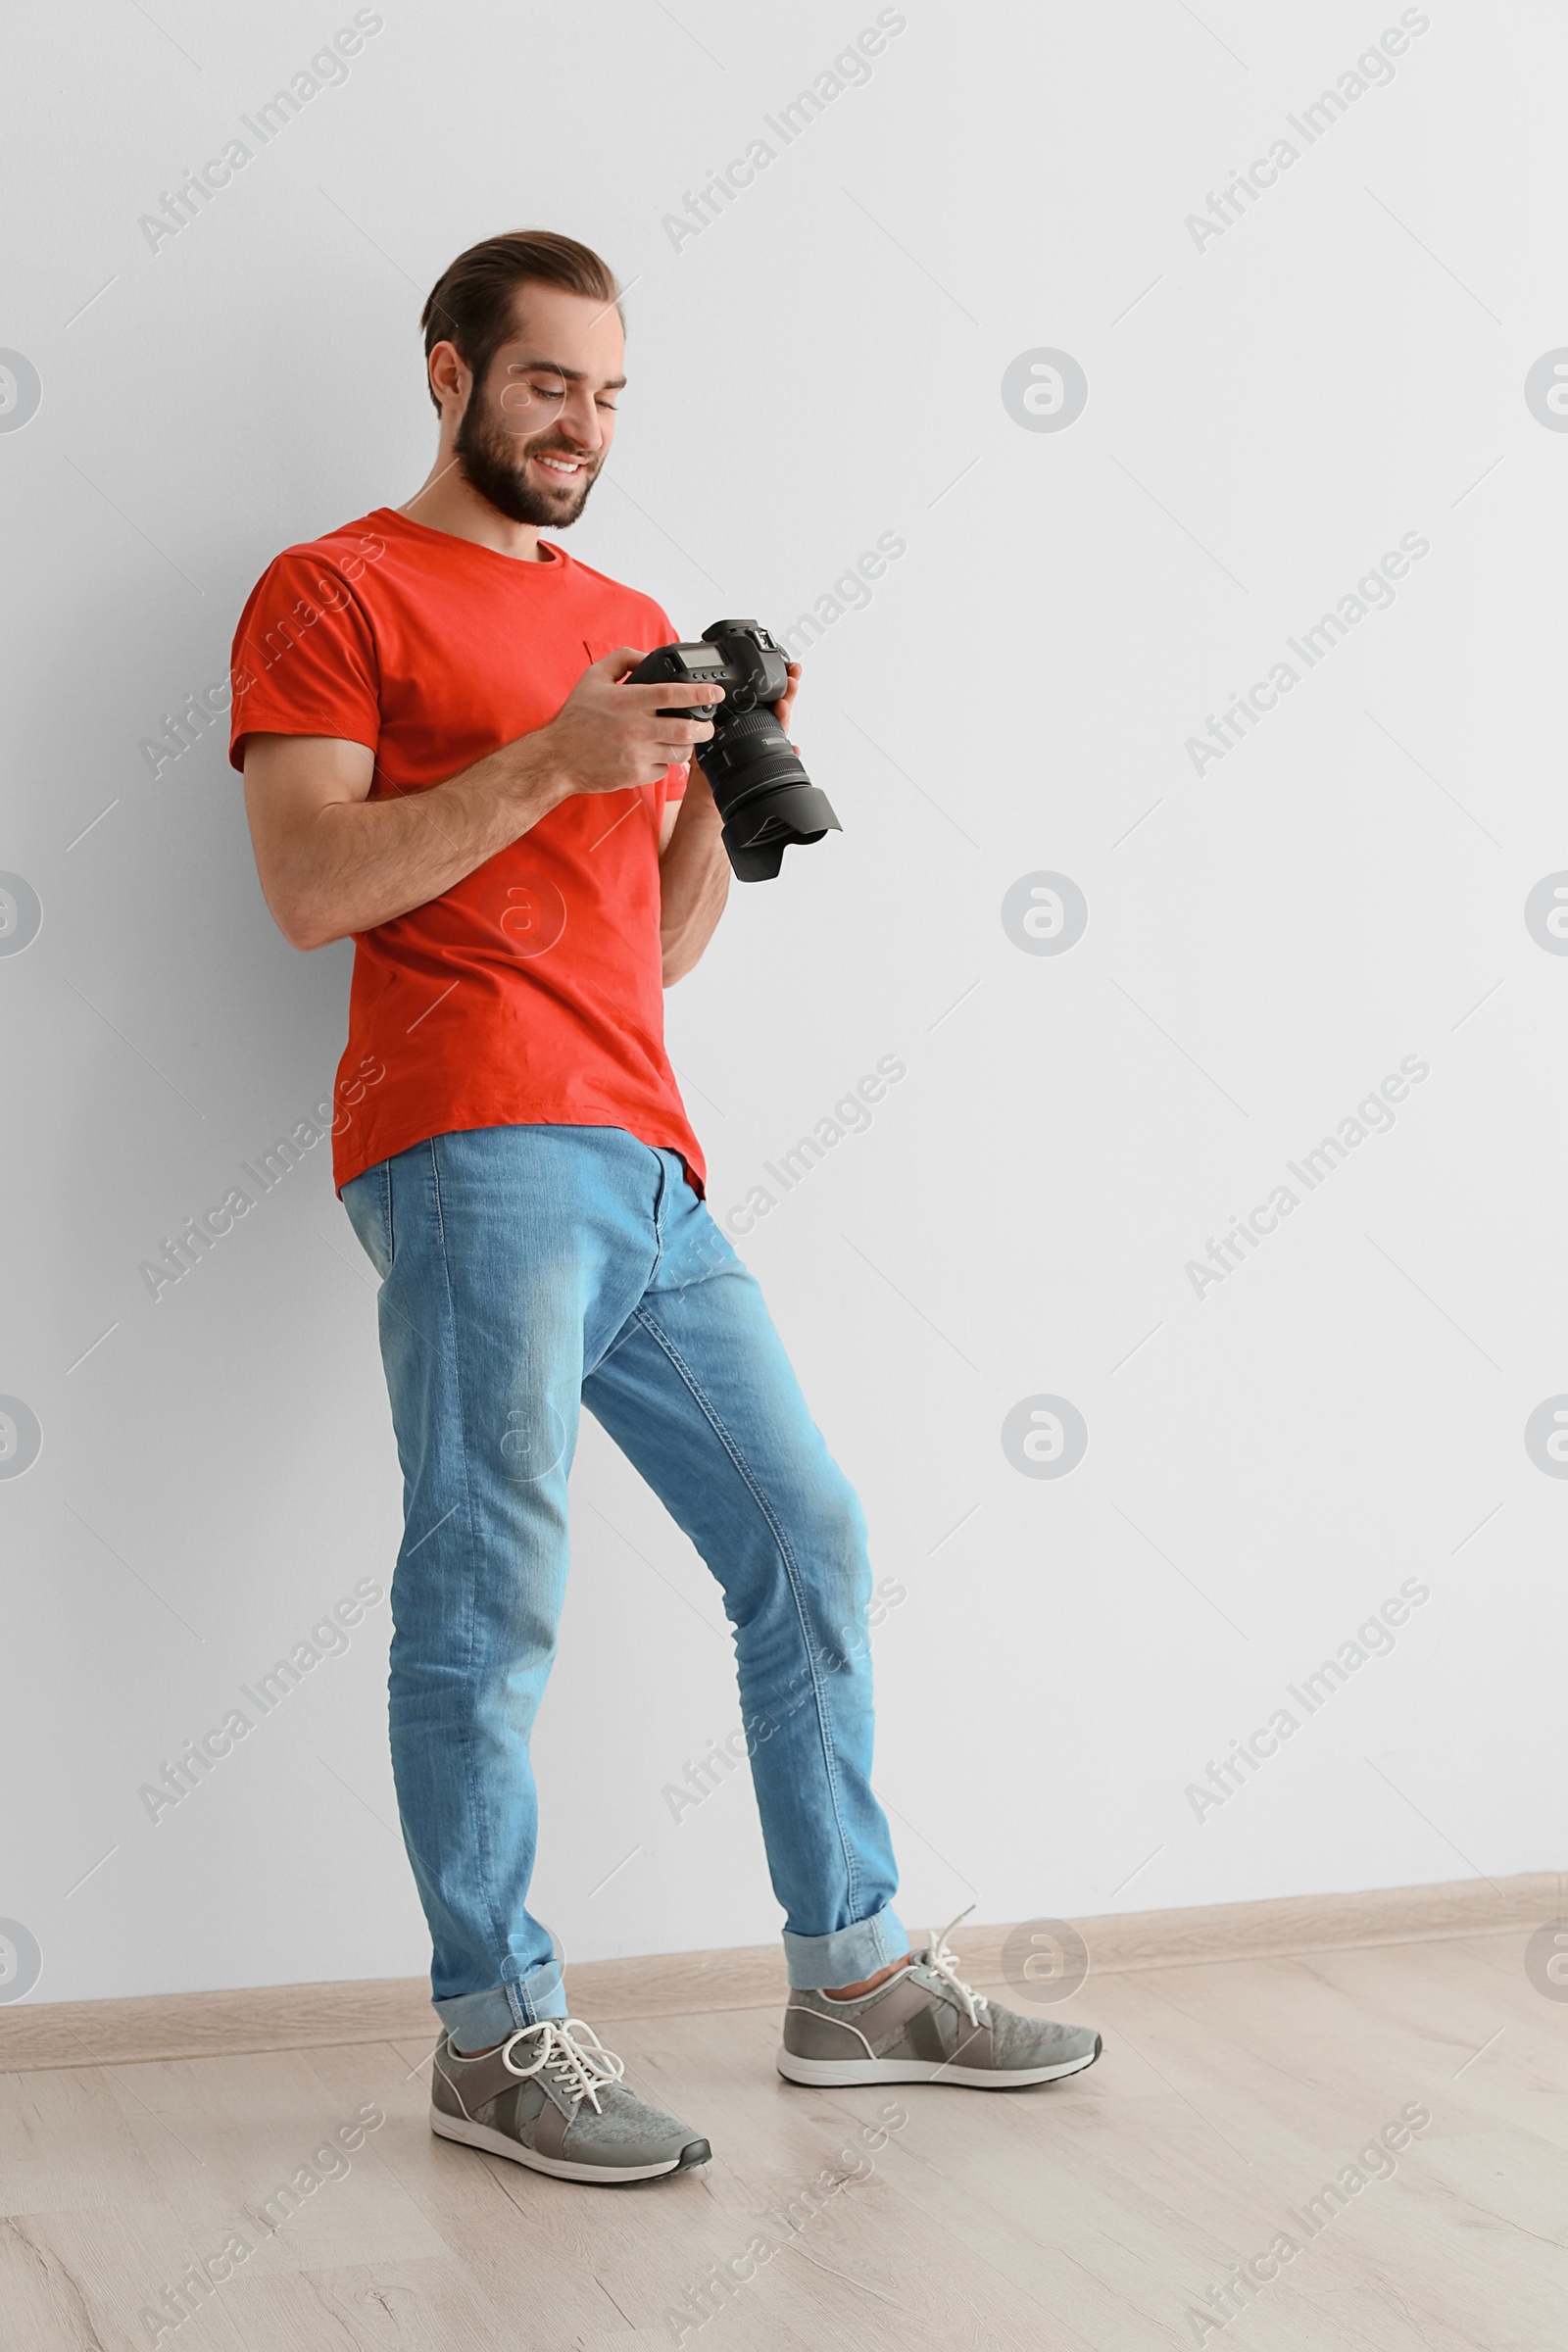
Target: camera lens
x=765, y=796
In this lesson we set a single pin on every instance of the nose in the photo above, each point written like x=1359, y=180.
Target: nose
x=579, y=420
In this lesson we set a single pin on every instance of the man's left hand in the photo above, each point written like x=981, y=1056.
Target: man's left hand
x=783, y=708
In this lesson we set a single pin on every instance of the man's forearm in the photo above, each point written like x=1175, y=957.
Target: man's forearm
x=693, y=880
x=361, y=863
x=332, y=860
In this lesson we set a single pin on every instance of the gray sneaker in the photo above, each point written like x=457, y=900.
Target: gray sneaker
x=552, y=2097
x=926, y=2025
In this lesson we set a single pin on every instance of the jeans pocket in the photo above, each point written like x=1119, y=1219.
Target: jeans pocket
x=368, y=1201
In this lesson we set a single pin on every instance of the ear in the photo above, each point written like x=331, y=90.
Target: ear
x=450, y=379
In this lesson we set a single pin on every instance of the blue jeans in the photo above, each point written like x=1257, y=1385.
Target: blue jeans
x=526, y=1270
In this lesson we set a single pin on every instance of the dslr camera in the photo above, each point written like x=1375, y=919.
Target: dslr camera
x=763, y=793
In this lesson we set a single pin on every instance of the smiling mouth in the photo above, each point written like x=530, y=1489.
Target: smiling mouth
x=562, y=469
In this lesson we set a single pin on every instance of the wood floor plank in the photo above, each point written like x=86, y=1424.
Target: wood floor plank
x=87, y=2278
x=428, y=2305
x=1105, y=2214
x=1301, y=2110
x=624, y=2339
x=44, y=2310
x=251, y=2143
x=63, y=2141
x=1346, y=2030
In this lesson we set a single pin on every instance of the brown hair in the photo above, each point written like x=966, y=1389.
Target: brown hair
x=470, y=304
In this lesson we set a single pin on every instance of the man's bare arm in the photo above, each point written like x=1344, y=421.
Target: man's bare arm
x=693, y=864
x=693, y=878
x=333, y=862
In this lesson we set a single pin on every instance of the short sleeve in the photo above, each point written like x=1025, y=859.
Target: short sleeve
x=304, y=660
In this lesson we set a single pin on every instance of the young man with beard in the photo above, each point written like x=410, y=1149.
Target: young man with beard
x=442, y=760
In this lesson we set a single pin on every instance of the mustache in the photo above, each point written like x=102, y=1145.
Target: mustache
x=546, y=447
x=546, y=443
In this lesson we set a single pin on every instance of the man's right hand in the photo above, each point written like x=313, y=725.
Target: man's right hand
x=608, y=735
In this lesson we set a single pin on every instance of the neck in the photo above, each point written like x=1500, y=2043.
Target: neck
x=446, y=501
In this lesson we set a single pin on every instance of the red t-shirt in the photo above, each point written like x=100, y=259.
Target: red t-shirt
x=531, y=991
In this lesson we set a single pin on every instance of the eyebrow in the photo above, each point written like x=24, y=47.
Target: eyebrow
x=572, y=375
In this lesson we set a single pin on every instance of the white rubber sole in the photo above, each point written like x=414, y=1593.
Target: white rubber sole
x=831, y=2073
x=496, y=2143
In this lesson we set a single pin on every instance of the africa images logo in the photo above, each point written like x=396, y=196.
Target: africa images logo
x=1545, y=390
x=20, y=915
x=1045, y=390
x=19, y=391
x=20, y=1437
x=1547, y=1436
x=1545, y=911
x=1044, y=1437
x=21, y=1960
x=1045, y=914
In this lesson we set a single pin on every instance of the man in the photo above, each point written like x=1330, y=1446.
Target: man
x=442, y=760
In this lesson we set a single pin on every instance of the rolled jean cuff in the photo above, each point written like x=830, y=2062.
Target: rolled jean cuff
x=477, y=2019
x=818, y=1963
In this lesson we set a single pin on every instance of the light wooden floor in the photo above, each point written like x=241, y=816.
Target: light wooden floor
x=1084, y=2218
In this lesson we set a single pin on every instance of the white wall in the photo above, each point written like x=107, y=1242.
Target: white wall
x=1269, y=412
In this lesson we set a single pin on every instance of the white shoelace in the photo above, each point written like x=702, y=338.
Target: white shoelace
x=943, y=1960
x=577, y=2060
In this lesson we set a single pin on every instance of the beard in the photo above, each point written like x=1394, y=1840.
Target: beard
x=494, y=462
